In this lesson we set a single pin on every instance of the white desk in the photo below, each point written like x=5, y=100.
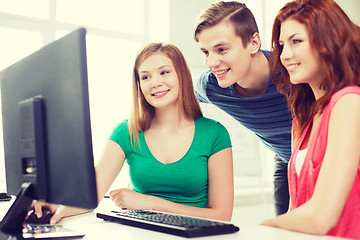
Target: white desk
x=97, y=229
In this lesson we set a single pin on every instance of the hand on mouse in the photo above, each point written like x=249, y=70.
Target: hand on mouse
x=44, y=219
x=59, y=211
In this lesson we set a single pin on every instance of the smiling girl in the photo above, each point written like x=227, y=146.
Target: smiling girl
x=319, y=48
x=179, y=161
x=176, y=164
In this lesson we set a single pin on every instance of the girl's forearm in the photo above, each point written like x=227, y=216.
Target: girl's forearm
x=211, y=213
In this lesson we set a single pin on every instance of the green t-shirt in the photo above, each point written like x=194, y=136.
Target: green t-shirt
x=184, y=181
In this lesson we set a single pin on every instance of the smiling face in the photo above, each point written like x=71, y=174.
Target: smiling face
x=159, y=82
x=298, y=57
x=225, y=54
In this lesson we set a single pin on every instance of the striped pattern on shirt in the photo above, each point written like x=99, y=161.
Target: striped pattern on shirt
x=266, y=115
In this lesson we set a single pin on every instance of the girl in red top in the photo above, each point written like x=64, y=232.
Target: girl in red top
x=318, y=50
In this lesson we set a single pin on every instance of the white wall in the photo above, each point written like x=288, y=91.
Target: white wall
x=173, y=21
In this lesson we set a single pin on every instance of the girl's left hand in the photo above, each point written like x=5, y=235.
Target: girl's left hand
x=128, y=199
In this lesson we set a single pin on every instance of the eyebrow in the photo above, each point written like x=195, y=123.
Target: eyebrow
x=291, y=37
x=157, y=68
x=216, y=45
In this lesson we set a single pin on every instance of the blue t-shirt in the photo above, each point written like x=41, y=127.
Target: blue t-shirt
x=184, y=181
x=266, y=115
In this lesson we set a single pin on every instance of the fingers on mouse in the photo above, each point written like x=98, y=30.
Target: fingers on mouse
x=44, y=219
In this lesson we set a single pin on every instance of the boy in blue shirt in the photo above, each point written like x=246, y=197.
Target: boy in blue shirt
x=239, y=82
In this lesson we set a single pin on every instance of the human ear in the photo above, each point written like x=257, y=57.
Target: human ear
x=255, y=43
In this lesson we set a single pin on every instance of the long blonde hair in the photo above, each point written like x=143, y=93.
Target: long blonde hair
x=142, y=112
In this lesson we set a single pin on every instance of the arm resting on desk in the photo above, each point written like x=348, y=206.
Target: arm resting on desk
x=220, y=192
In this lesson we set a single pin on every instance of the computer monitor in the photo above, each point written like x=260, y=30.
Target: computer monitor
x=47, y=129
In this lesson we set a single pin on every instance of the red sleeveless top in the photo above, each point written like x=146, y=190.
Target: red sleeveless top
x=302, y=187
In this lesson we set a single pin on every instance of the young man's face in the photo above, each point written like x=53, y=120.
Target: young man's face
x=225, y=54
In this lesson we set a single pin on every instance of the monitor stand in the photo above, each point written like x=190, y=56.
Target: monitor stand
x=12, y=223
x=32, y=153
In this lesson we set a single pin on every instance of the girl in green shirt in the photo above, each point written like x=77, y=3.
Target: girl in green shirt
x=179, y=161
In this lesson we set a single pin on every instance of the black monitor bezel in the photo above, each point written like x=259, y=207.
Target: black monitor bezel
x=56, y=74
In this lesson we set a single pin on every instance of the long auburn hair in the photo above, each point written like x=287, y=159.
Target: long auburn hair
x=142, y=112
x=337, y=40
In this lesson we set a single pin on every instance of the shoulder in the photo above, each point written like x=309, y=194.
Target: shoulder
x=205, y=75
x=343, y=116
x=200, y=84
x=266, y=53
x=121, y=126
x=120, y=130
x=349, y=89
x=203, y=78
x=345, y=104
x=212, y=134
x=348, y=97
x=270, y=57
x=207, y=121
x=121, y=135
x=210, y=125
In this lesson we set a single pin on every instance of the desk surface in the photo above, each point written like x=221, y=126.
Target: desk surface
x=95, y=228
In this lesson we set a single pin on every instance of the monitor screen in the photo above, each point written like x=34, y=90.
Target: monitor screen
x=46, y=124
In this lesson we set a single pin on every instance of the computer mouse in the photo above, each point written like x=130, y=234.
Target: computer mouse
x=5, y=197
x=45, y=218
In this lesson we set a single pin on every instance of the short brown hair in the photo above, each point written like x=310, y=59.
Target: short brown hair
x=237, y=13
